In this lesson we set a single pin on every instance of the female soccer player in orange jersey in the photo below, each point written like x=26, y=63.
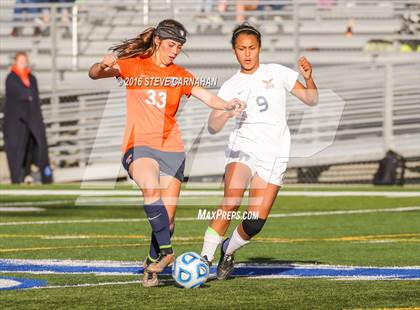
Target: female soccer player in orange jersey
x=153, y=149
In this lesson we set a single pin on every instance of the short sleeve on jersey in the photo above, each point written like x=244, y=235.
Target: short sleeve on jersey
x=222, y=93
x=126, y=66
x=288, y=76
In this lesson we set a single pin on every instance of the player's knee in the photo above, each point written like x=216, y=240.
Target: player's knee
x=150, y=192
x=253, y=227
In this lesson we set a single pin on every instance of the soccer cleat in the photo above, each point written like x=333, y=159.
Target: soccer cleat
x=150, y=279
x=226, y=264
x=161, y=263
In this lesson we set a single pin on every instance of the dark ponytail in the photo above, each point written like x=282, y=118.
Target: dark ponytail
x=143, y=45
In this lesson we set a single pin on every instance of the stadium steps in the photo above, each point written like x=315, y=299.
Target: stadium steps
x=214, y=68
x=198, y=43
x=101, y=28
x=359, y=139
x=412, y=171
x=350, y=173
x=336, y=174
x=361, y=173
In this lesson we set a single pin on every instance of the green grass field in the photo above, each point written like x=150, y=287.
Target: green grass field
x=374, y=238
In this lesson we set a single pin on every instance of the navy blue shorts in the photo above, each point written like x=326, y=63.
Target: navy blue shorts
x=170, y=163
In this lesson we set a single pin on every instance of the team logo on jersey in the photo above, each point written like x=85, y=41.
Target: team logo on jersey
x=268, y=84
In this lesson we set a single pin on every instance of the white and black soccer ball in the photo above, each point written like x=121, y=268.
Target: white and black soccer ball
x=190, y=270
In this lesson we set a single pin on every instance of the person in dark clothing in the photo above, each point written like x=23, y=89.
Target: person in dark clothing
x=25, y=140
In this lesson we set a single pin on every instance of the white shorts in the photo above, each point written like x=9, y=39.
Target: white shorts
x=270, y=171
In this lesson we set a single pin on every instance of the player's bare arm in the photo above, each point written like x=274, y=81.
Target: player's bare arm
x=307, y=94
x=216, y=102
x=108, y=67
x=218, y=119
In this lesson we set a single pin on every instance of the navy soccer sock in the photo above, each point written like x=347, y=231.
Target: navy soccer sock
x=159, y=221
x=153, y=251
x=154, y=247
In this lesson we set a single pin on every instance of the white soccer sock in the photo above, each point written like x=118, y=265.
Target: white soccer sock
x=211, y=241
x=235, y=242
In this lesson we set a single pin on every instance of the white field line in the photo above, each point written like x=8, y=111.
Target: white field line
x=114, y=220
x=18, y=209
x=105, y=201
x=374, y=279
x=111, y=263
x=85, y=285
x=84, y=263
x=6, y=283
x=13, y=192
x=282, y=215
x=353, y=278
x=76, y=272
x=402, y=209
x=94, y=284
x=72, y=262
x=34, y=203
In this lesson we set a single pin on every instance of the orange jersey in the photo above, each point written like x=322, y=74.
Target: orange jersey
x=153, y=97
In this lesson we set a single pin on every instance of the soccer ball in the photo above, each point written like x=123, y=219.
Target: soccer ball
x=190, y=270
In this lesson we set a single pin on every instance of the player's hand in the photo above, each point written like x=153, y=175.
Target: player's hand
x=235, y=107
x=305, y=68
x=108, y=62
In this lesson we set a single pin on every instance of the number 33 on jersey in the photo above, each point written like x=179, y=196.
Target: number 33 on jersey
x=156, y=98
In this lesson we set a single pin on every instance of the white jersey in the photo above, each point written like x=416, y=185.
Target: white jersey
x=262, y=128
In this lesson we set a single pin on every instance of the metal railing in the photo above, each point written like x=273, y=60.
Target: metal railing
x=381, y=101
x=361, y=115
x=85, y=18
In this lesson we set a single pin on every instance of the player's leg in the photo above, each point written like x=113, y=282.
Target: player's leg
x=237, y=176
x=170, y=188
x=171, y=166
x=262, y=195
x=145, y=173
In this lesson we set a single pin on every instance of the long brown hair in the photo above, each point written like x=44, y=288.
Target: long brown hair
x=144, y=44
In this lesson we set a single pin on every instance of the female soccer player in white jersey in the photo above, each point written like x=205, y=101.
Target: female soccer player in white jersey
x=259, y=145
